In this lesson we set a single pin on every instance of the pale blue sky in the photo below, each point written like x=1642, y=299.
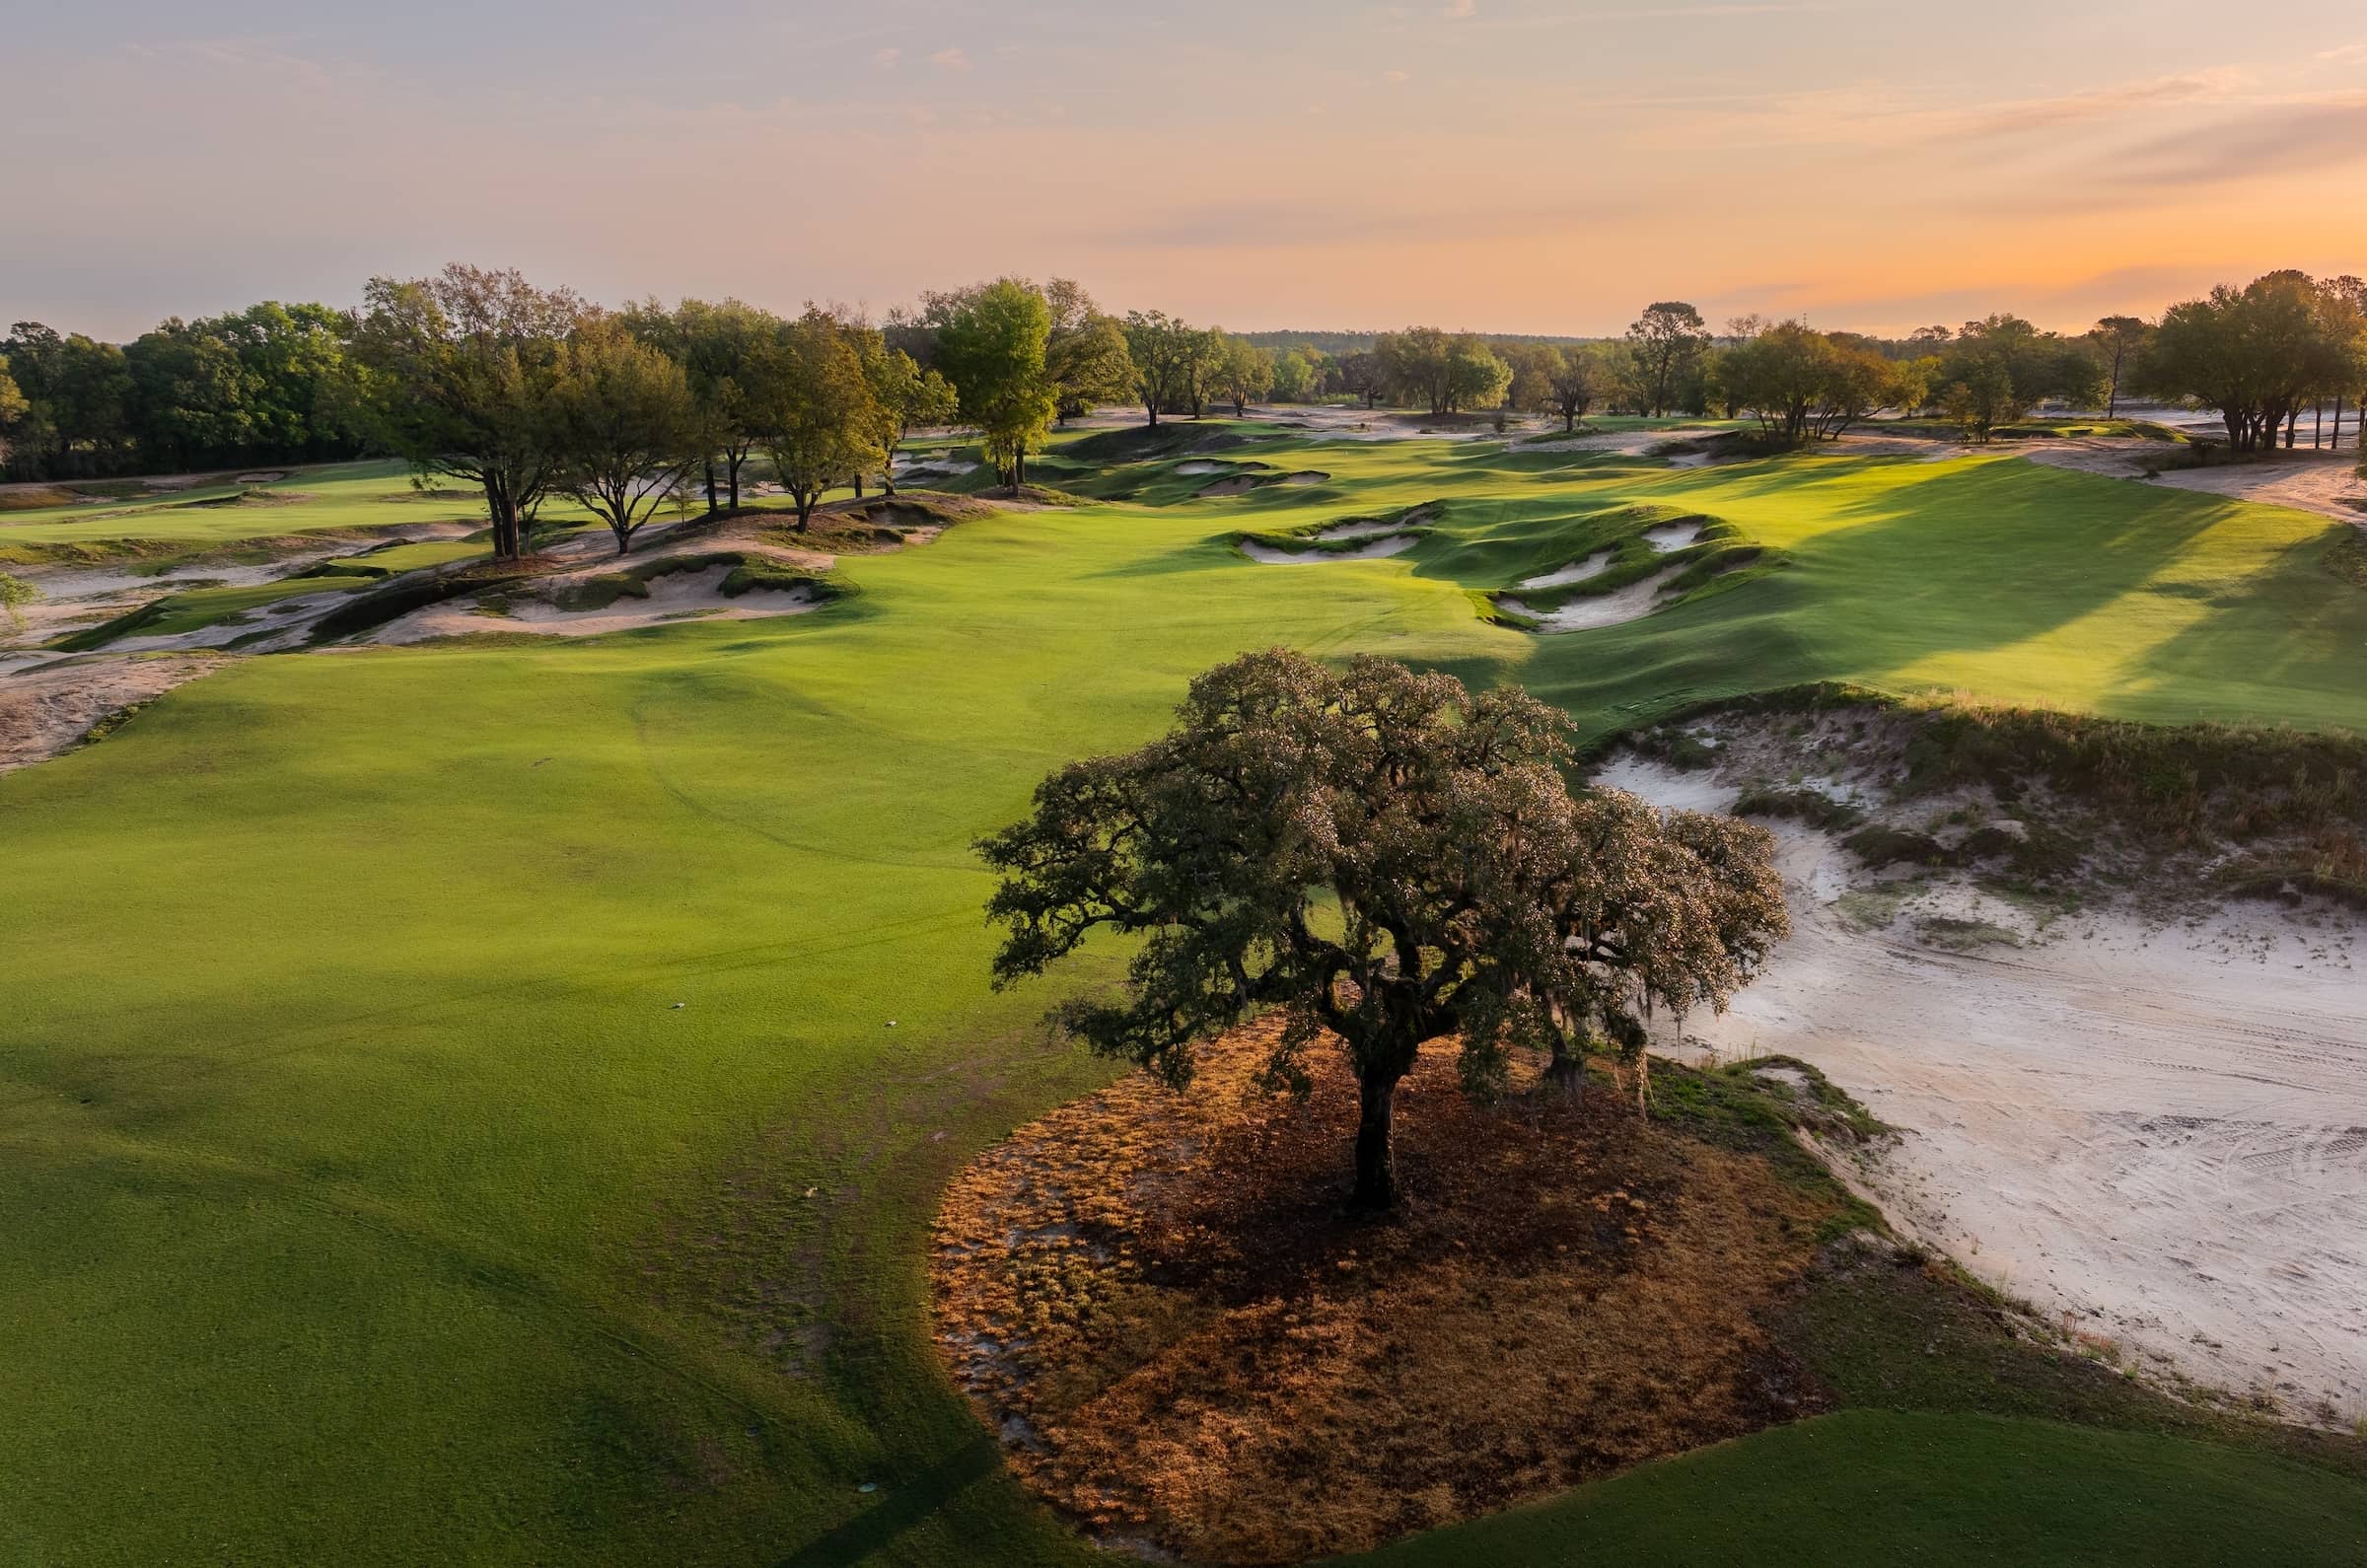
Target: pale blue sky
x=1537, y=164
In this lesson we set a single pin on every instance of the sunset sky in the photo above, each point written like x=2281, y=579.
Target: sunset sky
x=1542, y=166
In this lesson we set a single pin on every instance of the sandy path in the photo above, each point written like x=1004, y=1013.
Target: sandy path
x=2161, y=1133
x=43, y=712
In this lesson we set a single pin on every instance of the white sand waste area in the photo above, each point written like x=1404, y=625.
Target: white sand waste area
x=2158, y=1133
x=1671, y=537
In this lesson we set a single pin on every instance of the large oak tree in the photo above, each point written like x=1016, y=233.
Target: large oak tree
x=1383, y=856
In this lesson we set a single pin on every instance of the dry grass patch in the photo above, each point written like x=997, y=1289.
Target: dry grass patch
x=1157, y=1301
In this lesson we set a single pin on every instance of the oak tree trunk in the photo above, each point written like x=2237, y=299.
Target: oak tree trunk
x=1376, y=1187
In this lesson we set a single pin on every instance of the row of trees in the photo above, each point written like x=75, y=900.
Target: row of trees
x=2260, y=355
x=527, y=393
x=263, y=385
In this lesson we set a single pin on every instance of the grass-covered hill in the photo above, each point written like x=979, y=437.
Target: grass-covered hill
x=484, y=1101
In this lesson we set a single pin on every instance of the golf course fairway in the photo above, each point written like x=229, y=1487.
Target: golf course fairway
x=485, y=1101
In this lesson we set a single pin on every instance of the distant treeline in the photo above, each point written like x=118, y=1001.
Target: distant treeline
x=528, y=391
x=1339, y=344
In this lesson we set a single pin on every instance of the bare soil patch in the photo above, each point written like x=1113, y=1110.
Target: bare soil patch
x=1156, y=1301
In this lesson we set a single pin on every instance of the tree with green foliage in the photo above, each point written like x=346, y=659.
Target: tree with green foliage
x=1995, y=371
x=1086, y=352
x=192, y=398
x=464, y=369
x=14, y=594
x=2119, y=341
x=1298, y=376
x=1801, y=384
x=1381, y=855
x=1363, y=376
x=910, y=398
x=1240, y=373
x=818, y=417
x=1414, y=366
x=1665, y=347
x=1446, y=373
x=627, y=429
x=1575, y=384
x=78, y=395
x=1164, y=351
x=13, y=406
x=1533, y=366
x=721, y=348
x=992, y=344
x=2258, y=354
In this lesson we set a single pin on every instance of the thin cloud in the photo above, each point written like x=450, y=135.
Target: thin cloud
x=950, y=60
x=1460, y=8
x=2330, y=131
x=885, y=59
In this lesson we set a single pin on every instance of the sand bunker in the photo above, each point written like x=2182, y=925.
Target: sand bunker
x=1240, y=485
x=1614, y=608
x=2160, y=1134
x=1367, y=528
x=1394, y=544
x=1202, y=466
x=1671, y=537
x=45, y=711
x=1306, y=476
x=1594, y=565
x=678, y=596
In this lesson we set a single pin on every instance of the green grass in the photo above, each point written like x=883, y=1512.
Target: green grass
x=242, y=521
x=371, y=1202
x=1882, y=1486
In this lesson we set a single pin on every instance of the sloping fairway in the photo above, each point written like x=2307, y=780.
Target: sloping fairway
x=1882, y=1486
x=371, y=1200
